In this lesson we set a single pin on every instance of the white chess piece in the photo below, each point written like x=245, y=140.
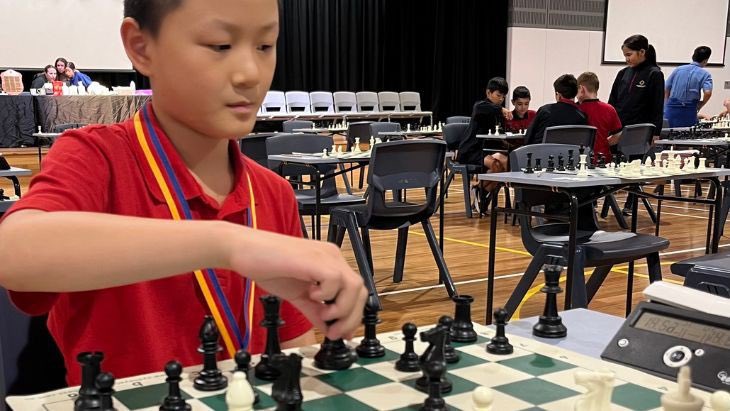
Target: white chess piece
x=703, y=164
x=372, y=142
x=600, y=387
x=357, y=145
x=490, y=132
x=324, y=153
x=496, y=129
x=378, y=140
x=408, y=127
x=682, y=399
x=720, y=401
x=334, y=149
x=482, y=399
x=583, y=170
x=240, y=396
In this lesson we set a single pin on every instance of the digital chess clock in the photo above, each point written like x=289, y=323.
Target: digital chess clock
x=659, y=338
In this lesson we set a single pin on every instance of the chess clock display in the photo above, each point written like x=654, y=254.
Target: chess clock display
x=660, y=339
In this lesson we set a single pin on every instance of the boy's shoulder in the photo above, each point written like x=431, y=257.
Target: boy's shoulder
x=106, y=138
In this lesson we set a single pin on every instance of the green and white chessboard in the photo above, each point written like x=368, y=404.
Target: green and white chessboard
x=536, y=376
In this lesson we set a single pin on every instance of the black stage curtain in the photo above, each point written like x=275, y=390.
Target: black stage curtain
x=445, y=49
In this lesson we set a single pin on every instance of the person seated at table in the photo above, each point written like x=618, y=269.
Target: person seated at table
x=61, y=64
x=600, y=115
x=76, y=76
x=522, y=116
x=48, y=76
x=563, y=112
x=725, y=111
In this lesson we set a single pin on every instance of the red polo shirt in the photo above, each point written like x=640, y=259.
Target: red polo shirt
x=517, y=124
x=604, y=118
x=140, y=327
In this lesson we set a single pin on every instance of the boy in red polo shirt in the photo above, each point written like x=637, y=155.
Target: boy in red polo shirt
x=522, y=116
x=600, y=115
x=114, y=271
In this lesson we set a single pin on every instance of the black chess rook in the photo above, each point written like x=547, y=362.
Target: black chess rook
x=499, y=344
x=334, y=355
x=286, y=390
x=370, y=346
x=210, y=378
x=528, y=168
x=271, y=322
x=408, y=361
x=89, y=398
x=550, y=325
x=462, y=330
x=174, y=400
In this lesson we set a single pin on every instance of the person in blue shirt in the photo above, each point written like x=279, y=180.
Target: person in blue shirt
x=687, y=89
x=77, y=76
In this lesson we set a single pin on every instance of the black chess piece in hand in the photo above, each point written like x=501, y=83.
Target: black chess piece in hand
x=499, y=344
x=174, y=400
x=450, y=354
x=550, y=324
x=370, y=346
x=210, y=377
x=462, y=330
x=243, y=364
x=105, y=385
x=408, y=361
x=88, y=398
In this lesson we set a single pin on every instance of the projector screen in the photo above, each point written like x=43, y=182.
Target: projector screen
x=36, y=32
x=674, y=27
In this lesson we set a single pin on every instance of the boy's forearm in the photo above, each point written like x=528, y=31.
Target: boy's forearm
x=108, y=250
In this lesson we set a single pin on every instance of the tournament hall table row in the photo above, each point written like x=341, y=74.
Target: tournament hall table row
x=569, y=185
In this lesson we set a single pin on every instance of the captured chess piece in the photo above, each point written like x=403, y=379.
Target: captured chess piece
x=370, y=346
x=334, y=355
x=538, y=165
x=287, y=391
x=450, y=354
x=88, y=398
x=499, y=344
x=528, y=167
x=550, y=164
x=682, y=399
x=105, y=386
x=210, y=377
x=436, y=339
x=243, y=364
x=462, y=330
x=571, y=161
x=550, y=325
x=174, y=400
x=408, y=361
x=561, y=163
x=271, y=322
x=435, y=371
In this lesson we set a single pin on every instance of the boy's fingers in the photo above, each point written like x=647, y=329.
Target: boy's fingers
x=347, y=312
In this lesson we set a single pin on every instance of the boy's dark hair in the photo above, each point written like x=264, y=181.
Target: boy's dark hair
x=65, y=62
x=71, y=65
x=498, y=84
x=589, y=80
x=701, y=54
x=149, y=13
x=45, y=70
x=520, y=92
x=566, y=85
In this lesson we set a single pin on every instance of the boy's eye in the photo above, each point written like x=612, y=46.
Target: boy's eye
x=265, y=47
x=219, y=47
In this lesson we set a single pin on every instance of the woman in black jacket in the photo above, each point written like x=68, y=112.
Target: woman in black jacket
x=638, y=90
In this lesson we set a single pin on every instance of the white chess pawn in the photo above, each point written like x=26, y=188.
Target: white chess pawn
x=490, y=132
x=482, y=399
x=720, y=401
x=682, y=399
x=372, y=142
x=324, y=153
x=334, y=149
x=240, y=395
x=357, y=145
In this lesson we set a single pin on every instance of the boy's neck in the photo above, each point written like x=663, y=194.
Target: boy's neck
x=588, y=97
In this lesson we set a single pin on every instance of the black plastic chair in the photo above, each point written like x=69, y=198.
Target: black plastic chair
x=384, y=126
x=549, y=241
x=573, y=134
x=306, y=198
x=718, y=260
x=453, y=134
x=254, y=147
x=290, y=125
x=712, y=280
x=458, y=119
x=394, y=166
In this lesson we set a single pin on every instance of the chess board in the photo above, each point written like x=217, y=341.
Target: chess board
x=536, y=376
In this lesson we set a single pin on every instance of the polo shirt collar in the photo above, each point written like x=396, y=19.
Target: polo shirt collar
x=567, y=101
x=694, y=63
x=190, y=187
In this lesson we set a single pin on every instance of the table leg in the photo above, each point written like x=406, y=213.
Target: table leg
x=317, y=203
x=719, y=194
x=630, y=277
x=572, y=245
x=492, y=252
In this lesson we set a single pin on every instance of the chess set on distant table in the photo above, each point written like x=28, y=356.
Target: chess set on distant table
x=698, y=133
x=463, y=366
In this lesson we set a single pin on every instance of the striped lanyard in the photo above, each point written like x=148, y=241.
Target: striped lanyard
x=165, y=176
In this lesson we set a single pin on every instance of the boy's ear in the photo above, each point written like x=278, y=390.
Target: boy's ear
x=136, y=44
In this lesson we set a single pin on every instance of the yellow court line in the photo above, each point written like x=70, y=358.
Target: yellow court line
x=454, y=240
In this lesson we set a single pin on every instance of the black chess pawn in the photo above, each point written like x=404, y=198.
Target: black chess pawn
x=528, y=167
x=105, y=386
x=538, y=165
x=88, y=398
x=550, y=164
x=601, y=160
x=271, y=322
x=499, y=344
x=243, y=364
x=450, y=354
x=334, y=355
x=174, y=400
x=462, y=330
x=550, y=324
x=370, y=346
x=571, y=161
x=561, y=163
x=210, y=377
x=591, y=163
x=434, y=402
x=286, y=390
x=408, y=361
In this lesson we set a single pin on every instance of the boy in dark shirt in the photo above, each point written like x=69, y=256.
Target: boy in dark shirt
x=561, y=113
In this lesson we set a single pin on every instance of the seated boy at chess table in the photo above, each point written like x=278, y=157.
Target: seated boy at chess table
x=115, y=272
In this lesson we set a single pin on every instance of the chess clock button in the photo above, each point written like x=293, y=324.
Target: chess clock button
x=677, y=356
x=623, y=343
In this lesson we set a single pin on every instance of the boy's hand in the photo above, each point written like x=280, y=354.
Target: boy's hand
x=506, y=113
x=306, y=273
